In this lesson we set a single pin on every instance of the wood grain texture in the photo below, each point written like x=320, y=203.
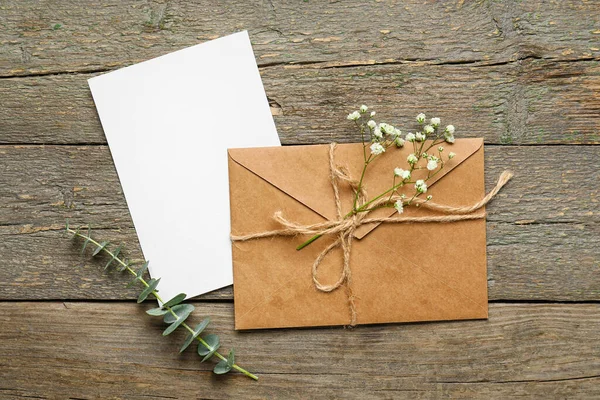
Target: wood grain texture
x=515, y=72
x=114, y=350
x=543, y=228
x=524, y=102
x=54, y=37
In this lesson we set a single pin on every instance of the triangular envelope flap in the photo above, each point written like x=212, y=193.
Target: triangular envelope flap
x=302, y=172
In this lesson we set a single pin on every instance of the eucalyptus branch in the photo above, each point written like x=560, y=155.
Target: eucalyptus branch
x=174, y=312
x=382, y=137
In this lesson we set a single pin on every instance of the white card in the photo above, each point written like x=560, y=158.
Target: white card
x=168, y=122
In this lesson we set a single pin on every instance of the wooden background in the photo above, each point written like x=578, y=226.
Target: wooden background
x=525, y=75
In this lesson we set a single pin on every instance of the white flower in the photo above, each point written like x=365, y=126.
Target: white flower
x=421, y=186
x=449, y=137
x=377, y=148
x=435, y=121
x=440, y=149
x=354, y=116
x=372, y=113
x=450, y=129
x=377, y=133
x=371, y=124
x=432, y=164
x=428, y=129
x=386, y=128
x=421, y=118
x=395, y=133
x=451, y=155
x=402, y=173
x=399, y=142
x=363, y=108
x=412, y=159
x=419, y=136
x=410, y=137
x=429, y=197
x=399, y=206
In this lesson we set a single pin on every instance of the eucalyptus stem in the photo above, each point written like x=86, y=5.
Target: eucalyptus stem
x=157, y=296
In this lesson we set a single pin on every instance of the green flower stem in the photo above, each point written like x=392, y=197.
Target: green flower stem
x=157, y=296
x=309, y=241
x=362, y=177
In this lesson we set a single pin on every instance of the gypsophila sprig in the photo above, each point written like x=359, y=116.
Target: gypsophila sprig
x=173, y=312
x=378, y=138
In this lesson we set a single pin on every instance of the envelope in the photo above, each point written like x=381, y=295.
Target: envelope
x=401, y=272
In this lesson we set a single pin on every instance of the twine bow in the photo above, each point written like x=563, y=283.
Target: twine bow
x=344, y=226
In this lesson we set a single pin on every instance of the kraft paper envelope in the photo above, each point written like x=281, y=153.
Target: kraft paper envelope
x=400, y=272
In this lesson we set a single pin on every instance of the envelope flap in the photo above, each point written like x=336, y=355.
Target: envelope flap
x=302, y=172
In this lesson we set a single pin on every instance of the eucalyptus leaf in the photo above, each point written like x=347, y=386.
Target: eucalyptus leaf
x=87, y=240
x=175, y=324
x=139, y=274
x=211, y=353
x=143, y=268
x=231, y=358
x=202, y=326
x=197, y=331
x=175, y=300
x=152, y=284
x=157, y=312
x=100, y=248
x=85, y=243
x=213, y=343
x=115, y=253
x=182, y=310
x=133, y=282
x=124, y=267
x=222, y=367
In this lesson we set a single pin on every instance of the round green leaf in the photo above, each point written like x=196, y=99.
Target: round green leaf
x=143, y=268
x=115, y=255
x=201, y=326
x=212, y=341
x=181, y=310
x=222, y=367
x=157, y=312
x=149, y=289
x=99, y=248
x=211, y=353
x=198, y=330
x=175, y=300
x=175, y=325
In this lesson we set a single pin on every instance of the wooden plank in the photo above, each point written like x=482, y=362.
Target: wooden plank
x=113, y=350
x=543, y=231
x=527, y=102
x=54, y=37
